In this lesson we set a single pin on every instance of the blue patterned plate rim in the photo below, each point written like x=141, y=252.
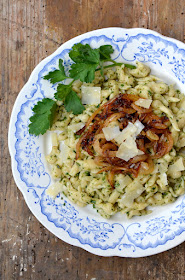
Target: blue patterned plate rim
x=138, y=237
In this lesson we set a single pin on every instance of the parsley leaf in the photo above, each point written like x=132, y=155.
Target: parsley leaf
x=83, y=71
x=84, y=54
x=56, y=75
x=42, y=120
x=62, y=91
x=73, y=103
x=71, y=100
x=61, y=66
x=105, y=52
x=86, y=61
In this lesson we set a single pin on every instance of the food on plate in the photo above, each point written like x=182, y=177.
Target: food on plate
x=117, y=134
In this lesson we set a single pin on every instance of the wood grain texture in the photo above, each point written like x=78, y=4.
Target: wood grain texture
x=30, y=31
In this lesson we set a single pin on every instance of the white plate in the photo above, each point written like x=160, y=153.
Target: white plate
x=83, y=227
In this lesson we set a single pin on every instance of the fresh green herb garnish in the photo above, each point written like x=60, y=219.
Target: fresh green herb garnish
x=62, y=92
x=71, y=100
x=86, y=62
x=130, y=66
x=84, y=54
x=42, y=120
x=85, y=72
x=105, y=52
x=56, y=75
x=73, y=103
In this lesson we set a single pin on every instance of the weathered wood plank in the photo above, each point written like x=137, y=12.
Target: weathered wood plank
x=31, y=30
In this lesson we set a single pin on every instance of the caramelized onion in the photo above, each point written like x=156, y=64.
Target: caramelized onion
x=155, y=140
x=100, y=161
x=78, y=146
x=140, y=109
x=96, y=144
x=151, y=135
x=169, y=145
x=154, y=121
x=107, y=168
x=138, y=158
x=113, y=117
x=131, y=97
x=146, y=167
x=127, y=110
x=110, y=178
x=141, y=145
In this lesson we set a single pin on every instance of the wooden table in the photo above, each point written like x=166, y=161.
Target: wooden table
x=30, y=31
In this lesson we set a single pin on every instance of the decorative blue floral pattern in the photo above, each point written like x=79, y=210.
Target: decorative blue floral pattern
x=28, y=155
x=179, y=68
x=88, y=231
x=35, y=195
x=33, y=91
x=124, y=246
x=180, y=208
x=154, y=49
x=148, y=53
x=92, y=232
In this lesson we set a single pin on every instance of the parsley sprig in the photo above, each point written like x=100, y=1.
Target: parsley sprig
x=86, y=62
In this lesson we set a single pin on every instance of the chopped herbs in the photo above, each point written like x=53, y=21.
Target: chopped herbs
x=93, y=201
x=87, y=173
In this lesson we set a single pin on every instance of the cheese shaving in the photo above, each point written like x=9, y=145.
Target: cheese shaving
x=91, y=95
x=145, y=103
x=177, y=166
x=64, y=151
x=128, y=149
x=111, y=132
x=126, y=133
